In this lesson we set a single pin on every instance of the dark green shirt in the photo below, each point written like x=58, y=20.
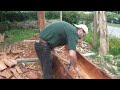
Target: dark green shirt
x=60, y=33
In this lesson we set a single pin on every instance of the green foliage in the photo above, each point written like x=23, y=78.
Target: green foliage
x=17, y=16
x=111, y=16
x=89, y=38
x=75, y=17
x=118, y=63
x=108, y=57
x=114, y=45
x=72, y=17
x=52, y=14
x=15, y=35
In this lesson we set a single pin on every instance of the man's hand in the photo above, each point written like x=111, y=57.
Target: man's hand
x=73, y=57
x=73, y=60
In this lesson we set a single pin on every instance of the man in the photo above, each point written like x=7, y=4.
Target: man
x=58, y=34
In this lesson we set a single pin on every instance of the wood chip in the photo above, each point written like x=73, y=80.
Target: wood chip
x=32, y=66
x=32, y=75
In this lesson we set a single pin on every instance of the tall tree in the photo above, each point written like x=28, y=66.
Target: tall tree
x=101, y=25
x=41, y=19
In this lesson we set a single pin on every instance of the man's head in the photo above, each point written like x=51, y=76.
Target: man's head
x=82, y=30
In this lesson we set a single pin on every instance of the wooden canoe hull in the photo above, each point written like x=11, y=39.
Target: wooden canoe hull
x=88, y=69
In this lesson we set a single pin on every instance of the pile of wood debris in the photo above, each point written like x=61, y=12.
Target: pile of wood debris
x=11, y=69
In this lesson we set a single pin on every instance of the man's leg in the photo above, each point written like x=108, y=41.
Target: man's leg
x=44, y=54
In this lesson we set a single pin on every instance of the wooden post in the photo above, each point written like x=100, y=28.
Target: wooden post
x=61, y=15
x=41, y=19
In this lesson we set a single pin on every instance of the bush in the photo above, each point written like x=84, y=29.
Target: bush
x=112, y=16
x=89, y=38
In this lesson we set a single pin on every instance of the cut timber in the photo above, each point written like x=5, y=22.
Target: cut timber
x=88, y=69
x=6, y=73
x=8, y=63
x=2, y=66
x=13, y=61
x=15, y=73
x=18, y=69
x=32, y=66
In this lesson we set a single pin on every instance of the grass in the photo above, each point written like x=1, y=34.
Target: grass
x=16, y=35
x=114, y=25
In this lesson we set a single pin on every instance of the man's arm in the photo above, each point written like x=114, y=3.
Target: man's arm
x=73, y=60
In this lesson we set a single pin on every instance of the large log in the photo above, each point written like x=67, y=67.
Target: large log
x=60, y=71
x=88, y=69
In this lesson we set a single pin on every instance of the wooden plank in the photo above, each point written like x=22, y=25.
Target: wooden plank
x=8, y=63
x=18, y=69
x=7, y=74
x=32, y=66
x=13, y=61
x=15, y=73
x=2, y=66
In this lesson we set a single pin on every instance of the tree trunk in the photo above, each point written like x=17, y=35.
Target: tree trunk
x=103, y=33
x=41, y=19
